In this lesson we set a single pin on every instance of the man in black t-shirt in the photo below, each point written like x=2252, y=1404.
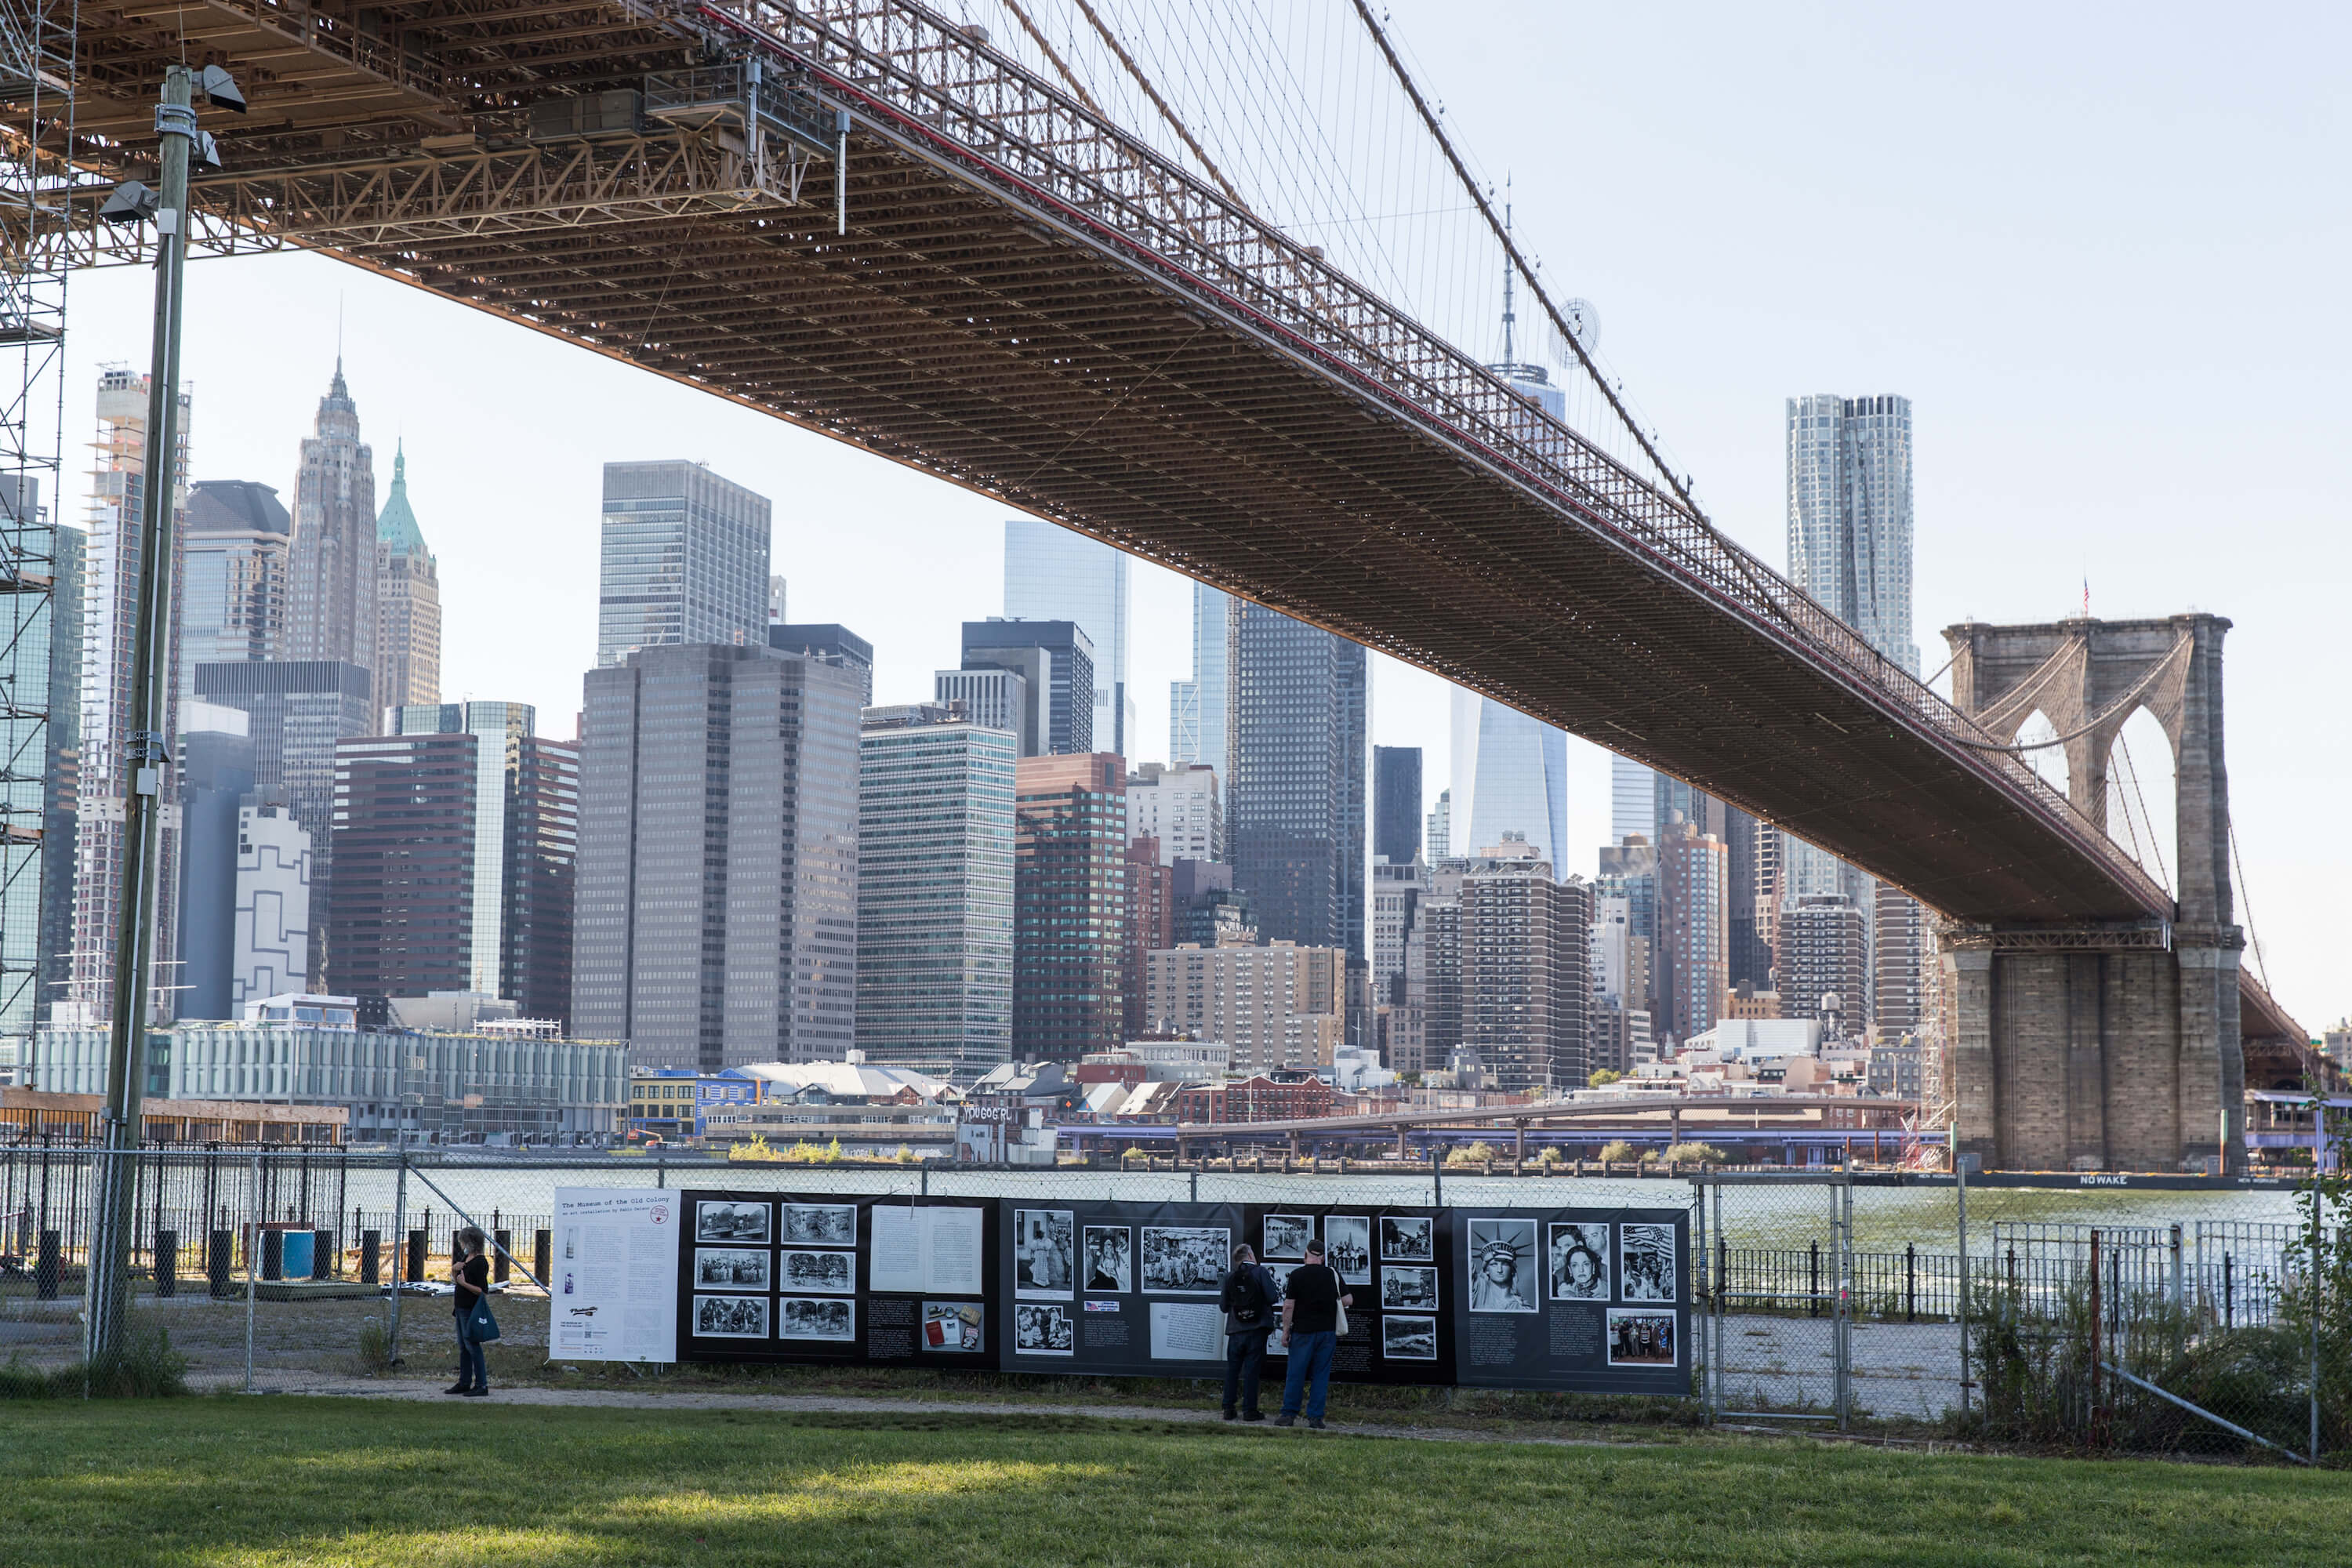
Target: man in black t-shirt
x=1310, y=1321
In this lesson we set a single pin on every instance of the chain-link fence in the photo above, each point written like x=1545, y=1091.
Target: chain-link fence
x=1833, y=1298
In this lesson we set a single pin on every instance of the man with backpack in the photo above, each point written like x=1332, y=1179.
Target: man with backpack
x=1247, y=1299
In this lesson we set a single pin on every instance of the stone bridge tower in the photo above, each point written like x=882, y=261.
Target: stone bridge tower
x=2098, y=1046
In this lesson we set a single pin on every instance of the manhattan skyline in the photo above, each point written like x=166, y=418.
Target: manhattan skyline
x=2064, y=435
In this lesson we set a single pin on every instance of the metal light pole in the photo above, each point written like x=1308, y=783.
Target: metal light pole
x=147, y=755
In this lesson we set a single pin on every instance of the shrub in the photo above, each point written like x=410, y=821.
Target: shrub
x=1602, y=1077
x=1549, y=1157
x=757, y=1151
x=1682, y=1154
x=1618, y=1152
x=1134, y=1153
x=147, y=1368
x=1475, y=1153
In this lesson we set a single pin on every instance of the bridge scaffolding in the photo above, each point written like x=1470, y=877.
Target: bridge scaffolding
x=39, y=43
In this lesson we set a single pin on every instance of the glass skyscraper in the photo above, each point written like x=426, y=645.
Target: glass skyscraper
x=1633, y=799
x=1850, y=514
x=1196, y=707
x=235, y=583
x=685, y=560
x=1053, y=574
x=934, y=893
x=1510, y=775
x=1299, y=743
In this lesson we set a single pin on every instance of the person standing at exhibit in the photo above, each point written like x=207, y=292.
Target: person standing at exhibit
x=1247, y=1298
x=1311, y=1302
x=469, y=1275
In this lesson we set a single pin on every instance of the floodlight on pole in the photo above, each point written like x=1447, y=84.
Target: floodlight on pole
x=129, y=202
x=220, y=88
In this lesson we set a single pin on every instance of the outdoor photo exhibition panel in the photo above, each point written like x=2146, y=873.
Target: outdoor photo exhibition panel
x=1584, y=1300
x=614, y=1284
x=1116, y=1288
x=1591, y=1301
x=1391, y=1261
x=835, y=1278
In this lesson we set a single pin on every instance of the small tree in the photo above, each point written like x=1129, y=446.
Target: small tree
x=1618, y=1152
x=1474, y=1154
x=1602, y=1077
x=1682, y=1154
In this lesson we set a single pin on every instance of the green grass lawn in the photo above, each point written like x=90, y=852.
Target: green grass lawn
x=261, y=1480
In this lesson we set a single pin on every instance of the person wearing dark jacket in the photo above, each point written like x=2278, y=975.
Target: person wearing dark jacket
x=1247, y=1298
x=1311, y=1301
x=469, y=1276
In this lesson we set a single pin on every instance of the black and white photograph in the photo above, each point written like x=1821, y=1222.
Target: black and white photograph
x=1044, y=1252
x=1409, y=1288
x=730, y=1268
x=1110, y=1259
x=817, y=1318
x=1281, y=1273
x=1645, y=1262
x=1503, y=1265
x=1347, y=1246
x=953, y=1328
x=1409, y=1339
x=1640, y=1339
x=715, y=1220
x=1405, y=1239
x=1285, y=1235
x=1578, y=1264
x=821, y=1225
x=1041, y=1331
x=821, y=1273
x=1185, y=1260
x=731, y=1316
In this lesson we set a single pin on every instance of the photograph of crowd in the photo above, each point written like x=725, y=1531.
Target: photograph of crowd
x=1579, y=1267
x=1410, y=1287
x=1645, y=1262
x=953, y=1327
x=821, y=1225
x=1042, y=1247
x=825, y=1273
x=1185, y=1259
x=1041, y=1331
x=1503, y=1265
x=1286, y=1236
x=1347, y=1246
x=1407, y=1240
x=1110, y=1258
x=1409, y=1339
x=730, y=1267
x=731, y=1316
x=1640, y=1339
x=719, y=1221
x=815, y=1318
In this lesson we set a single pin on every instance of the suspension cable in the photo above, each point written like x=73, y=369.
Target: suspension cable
x=2119, y=705
x=2154, y=845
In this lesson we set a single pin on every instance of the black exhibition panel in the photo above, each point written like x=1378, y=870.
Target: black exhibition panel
x=1115, y=1289
x=1589, y=1300
x=1393, y=1262
x=771, y=1276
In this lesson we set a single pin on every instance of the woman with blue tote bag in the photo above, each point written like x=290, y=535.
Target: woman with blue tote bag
x=469, y=1272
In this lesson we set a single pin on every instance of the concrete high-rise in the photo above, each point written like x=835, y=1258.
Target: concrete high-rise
x=297, y=710
x=1295, y=796
x=1196, y=707
x=1439, y=843
x=408, y=603
x=996, y=699
x=1151, y=928
x=934, y=891
x=1691, y=964
x=1277, y=1006
x=238, y=557
x=684, y=561
x=456, y=839
x=1526, y=971
x=105, y=771
x=1055, y=662
x=716, y=919
x=1397, y=892
x=216, y=776
x=1825, y=953
x=331, y=610
x=1510, y=776
x=1069, y=890
x=1396, y=803
x=1053, y=574
x=1181, y=808
x=827, y=643
x=273, y=907
x=61, y=781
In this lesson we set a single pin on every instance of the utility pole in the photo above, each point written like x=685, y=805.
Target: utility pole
x=109, y=1295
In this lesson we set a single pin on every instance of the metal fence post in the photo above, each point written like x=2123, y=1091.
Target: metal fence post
x=1722, y=1290
x=2319, y=1155
x=1708, y=1284
x=1841, y=1325
x=252, y=1246
x=399, y=1254
x=1961, y=1204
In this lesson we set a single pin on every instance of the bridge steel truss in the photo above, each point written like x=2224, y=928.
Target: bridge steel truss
x=1027, y=301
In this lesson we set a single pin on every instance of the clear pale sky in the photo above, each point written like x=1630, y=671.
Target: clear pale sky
x=2102, y=249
